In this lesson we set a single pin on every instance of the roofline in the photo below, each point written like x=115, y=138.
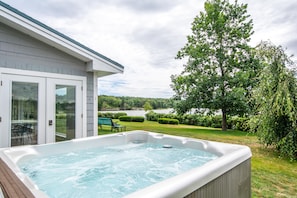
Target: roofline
x=14, y=10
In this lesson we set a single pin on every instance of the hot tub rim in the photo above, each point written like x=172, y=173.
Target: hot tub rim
x=171, y=187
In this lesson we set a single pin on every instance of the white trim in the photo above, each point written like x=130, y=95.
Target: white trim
x=95, y=107
x=42, y=74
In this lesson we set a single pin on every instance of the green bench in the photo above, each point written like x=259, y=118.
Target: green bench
x=109, y=122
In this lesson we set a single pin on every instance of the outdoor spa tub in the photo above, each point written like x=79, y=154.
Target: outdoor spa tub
x=225, y=170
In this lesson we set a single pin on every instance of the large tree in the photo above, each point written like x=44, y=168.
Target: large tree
x=219, y=68
x=276, y=100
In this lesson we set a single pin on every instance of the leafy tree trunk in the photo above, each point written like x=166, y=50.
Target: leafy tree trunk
x=224, y=120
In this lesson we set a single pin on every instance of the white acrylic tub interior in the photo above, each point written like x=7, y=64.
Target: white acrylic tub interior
x=230, y=156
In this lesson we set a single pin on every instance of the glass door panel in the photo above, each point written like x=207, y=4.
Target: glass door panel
x=24, y=113
x=65, y=112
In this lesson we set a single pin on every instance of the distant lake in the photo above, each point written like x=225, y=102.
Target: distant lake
x=140, y=112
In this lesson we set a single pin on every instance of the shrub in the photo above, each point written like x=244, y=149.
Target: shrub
x=168, y=121
x=131, y=118
x=106, y=115
x=152, y=116
x=189, y=119
x=239, y=123
x=119, y=114
x=111, y=115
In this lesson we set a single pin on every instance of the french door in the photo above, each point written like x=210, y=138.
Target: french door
x=64, y=110
x=37, y=110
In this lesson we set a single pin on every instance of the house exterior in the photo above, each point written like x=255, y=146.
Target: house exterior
x=48, y=82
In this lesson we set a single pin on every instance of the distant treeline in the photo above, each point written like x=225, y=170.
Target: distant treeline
x=129, y=103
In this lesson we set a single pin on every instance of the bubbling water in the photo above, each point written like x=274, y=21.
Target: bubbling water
x=112, y=171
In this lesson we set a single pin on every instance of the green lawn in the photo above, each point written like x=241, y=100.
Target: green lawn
x=271, y=175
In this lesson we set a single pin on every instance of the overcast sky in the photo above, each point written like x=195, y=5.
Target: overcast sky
x=145, y=35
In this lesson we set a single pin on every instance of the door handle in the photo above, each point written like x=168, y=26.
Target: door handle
x=50, y=122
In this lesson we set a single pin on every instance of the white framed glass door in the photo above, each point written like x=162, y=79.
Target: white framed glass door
x=37, y=110
x=23, y=105
x=65, y=110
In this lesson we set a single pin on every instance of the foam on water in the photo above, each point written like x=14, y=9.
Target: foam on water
x=113, y=171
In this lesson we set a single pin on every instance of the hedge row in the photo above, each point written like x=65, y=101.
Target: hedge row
x=111, y=115
x=234, y=122
x=168, y=121
x=152, y=116
x=131, y=118
x=237, y=123
x=122, y=116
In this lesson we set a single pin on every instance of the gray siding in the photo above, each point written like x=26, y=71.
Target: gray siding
x=90, y=103
x=20, y=51
x=235, y=183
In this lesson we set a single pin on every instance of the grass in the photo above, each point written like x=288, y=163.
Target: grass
x=272, y=176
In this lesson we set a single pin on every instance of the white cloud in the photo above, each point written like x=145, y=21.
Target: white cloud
x=145, y=36
x=274, y=21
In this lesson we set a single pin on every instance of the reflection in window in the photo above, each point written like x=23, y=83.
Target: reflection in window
x=24, y=113
x=65, y=112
